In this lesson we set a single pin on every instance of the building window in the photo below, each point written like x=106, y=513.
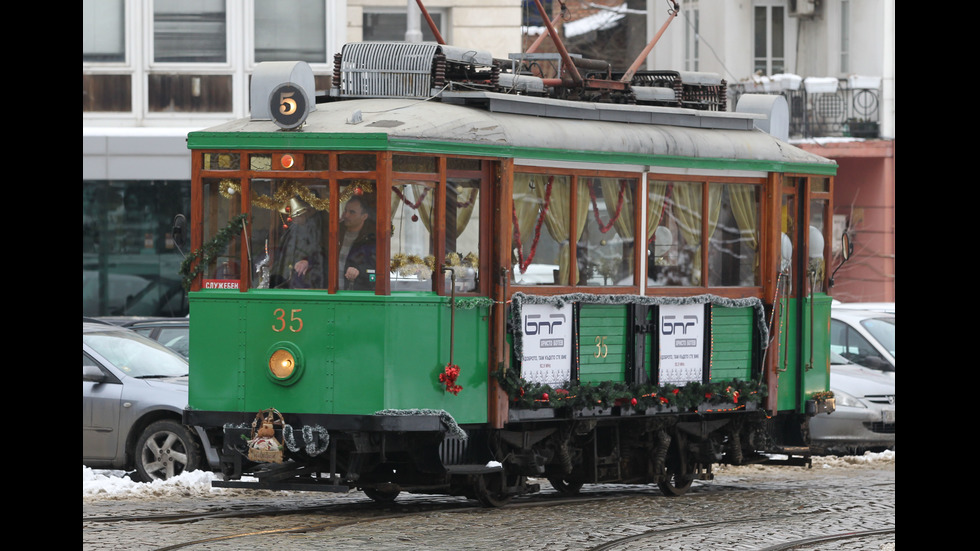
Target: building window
x=177, y=93
x=190, y=31
x=103, y=31
x=382, y=26
x=769, y=44
x=107, y=93
x=290, y=30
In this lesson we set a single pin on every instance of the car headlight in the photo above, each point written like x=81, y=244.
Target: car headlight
x=845, y=399
x=285, y=365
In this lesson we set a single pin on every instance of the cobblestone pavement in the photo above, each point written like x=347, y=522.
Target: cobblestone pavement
x=743, y=508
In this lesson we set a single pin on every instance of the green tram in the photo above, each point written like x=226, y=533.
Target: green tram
x=446, y=275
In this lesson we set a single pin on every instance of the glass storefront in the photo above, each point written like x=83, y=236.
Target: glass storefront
x=130, y=262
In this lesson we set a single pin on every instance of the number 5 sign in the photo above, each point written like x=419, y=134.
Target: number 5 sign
x=289, y=106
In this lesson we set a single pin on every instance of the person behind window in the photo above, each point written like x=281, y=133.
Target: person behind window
x=300, y=258
x=358, y=247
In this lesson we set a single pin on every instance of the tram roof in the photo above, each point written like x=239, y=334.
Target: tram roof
x=501, y=125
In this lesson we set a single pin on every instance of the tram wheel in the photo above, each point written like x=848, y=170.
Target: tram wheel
x=565, y=486
x=675, y=483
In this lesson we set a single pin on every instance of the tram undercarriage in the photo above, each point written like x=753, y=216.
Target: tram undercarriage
x=492, y=466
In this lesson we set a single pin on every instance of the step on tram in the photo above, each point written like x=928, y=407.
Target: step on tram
x=453, y=274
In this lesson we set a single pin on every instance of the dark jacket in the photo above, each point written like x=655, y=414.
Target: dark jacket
x=362, y=255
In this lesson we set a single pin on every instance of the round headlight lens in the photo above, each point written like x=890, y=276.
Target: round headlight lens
x=282, y=364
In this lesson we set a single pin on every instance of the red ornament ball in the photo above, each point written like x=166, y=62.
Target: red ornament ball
x=544, y=396
x=633, y=401
x=415, y=218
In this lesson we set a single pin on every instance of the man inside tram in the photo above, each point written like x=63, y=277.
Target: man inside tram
x=300, y=259
x=357, y=247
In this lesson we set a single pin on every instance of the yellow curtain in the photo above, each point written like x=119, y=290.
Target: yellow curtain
x=558, y=216
x=526, y=206
x=466, y=200
x=687, y=196
x=656, y=194
x=746, y=212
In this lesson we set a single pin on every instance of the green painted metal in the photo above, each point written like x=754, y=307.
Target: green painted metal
x=361, y=353
x=382, y=142
x=732, y=343
x=799, y=379
x=602, y=343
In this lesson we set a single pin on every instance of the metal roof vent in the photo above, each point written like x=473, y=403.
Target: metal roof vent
x=406, y=69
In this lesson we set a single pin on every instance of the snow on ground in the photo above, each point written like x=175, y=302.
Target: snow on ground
x=112, y=484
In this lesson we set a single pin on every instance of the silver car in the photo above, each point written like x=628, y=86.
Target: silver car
x=134, y=391
x=865, y=337
x=865, y=415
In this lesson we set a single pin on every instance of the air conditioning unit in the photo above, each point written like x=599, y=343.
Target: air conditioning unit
x=802, y=8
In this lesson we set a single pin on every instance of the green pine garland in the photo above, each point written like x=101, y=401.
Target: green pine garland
x=528, y=395
x=209, y=251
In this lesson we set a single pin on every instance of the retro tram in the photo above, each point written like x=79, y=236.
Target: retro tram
x=454, y=274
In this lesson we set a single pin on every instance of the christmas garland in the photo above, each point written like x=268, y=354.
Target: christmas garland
x=523, y=263
x=280, y=198
x=604, y=228
x=209, y=251
x=640, y=397
x=444, y=416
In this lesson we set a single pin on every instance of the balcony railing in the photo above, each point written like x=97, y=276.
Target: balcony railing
x=825, y=107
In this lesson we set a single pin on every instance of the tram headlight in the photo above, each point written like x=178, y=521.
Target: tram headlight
x=285, y=364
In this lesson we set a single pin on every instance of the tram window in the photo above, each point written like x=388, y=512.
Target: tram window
x=734, y=243
x=412, y=163
x=541, y=228
x=357, y=162
x=357, y=241
x=288, y=234
x=317, y=162
x=221, y=203
x=674, y=211
x=605, y=252
x=463, y=232
x=816, y=265
x=412, y=248
x=222, y=161
x=260, y=162
x=788, y=244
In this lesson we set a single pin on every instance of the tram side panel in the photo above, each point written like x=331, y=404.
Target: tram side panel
x=354, y=355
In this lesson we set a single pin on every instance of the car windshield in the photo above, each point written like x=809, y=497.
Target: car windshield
x=883, y=330
x=135, y=355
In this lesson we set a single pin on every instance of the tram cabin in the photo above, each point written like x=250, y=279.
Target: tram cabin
x=447, y=275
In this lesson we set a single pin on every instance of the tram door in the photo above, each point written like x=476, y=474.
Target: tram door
x=803, y=366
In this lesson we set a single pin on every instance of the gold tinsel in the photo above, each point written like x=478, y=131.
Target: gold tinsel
x=229, y=188
x=405, y=265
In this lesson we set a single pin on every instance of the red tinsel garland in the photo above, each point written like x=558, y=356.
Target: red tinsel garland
x=537, y=230
x=595, y=207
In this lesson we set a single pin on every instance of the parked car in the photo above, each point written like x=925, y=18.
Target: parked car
x=134, y=391
x=174, y=333
x=865, y=337
x=864, y=418
x=886, y=307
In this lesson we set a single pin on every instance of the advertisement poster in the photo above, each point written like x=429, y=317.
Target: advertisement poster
x=546, y=343
x=681, y=343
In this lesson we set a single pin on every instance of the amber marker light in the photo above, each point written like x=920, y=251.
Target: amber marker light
x=287, y=161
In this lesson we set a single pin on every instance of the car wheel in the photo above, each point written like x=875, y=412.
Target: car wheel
x=164, y=450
